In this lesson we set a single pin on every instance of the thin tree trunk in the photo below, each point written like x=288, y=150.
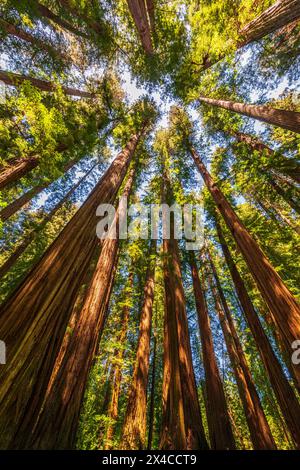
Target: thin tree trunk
x=219, y=426
x=35, y=316
x=135, y=421
x=57, y=423
x=282, y=13
x=279, y=299
x=152, y=397
x=139, y=15
x=44, y=12
x=151, y=15
x=284, y=393
x=22, y=201
x=256, y=144
x=276, y=214
x=15, y=255
x=275, y=17
x=278, y=117
x=15, y=79
x=293, y=204
x=13, y=30
x=16, y=169
x=113, y=411
x=260, y=432
x=182, y=426
x=19, y=167
x=9, y=210
x=75, y=10
x=105, y=406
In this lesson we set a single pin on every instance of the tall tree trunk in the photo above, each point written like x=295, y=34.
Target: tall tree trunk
x=19, y=250
x=57, y=423
x=219, y=426
x=15, y=79
x=284, y=393
x=44, y=12
x=279, y=299
x=16, y=169
x=35, y=316
x=77, y=12
x=152, y=396
x=139, y=15
x=275, y=213
x=113, y=411
x=151, y=15
x=135, y=421
x=282, y=13
x=9, y=210
x=22, y=201
x=256, y=144
x=182, y=426
x=289, y=200
x=278, y=117
x=105, y=406
x=275, y=17
x=260, y=432
x=13, y=30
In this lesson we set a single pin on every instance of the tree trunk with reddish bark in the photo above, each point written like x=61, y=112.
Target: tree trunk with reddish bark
x=9, y=210
x=134, y=428
x=256, y=144
x=113, y=411
x=15, y=79
x=139, y=15
x=282, y=13
x=284, y=393
x=260, y=432
x=15, y=255
x=44, y=12
x=281, y=302
x=182, y=426
x=57, y=423
x=77, y=12
x=275, y=17
x=16, y=169
x=151, y=14
x=35, y=316
x=219, y=426
x=13, y=30
x=152, y=396
x=277, y=117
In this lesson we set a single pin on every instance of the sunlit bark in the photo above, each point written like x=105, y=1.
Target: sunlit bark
x=134, y=428
x=15, y=79
x=34, y=318
x=284, y=393
x=260, y=432
x=278, y=117
x=220, y=432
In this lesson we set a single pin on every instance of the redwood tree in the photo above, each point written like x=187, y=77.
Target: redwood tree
x=41, y=306
x=284, y=393
x=260, y=432
x=182, y=426
x=15, y=79
x=134, y=428
x=58, y=421
x=219, y=426
x=278, y=117
x=281, y=302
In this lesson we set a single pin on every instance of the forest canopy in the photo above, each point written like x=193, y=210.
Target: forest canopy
x=150, y=342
